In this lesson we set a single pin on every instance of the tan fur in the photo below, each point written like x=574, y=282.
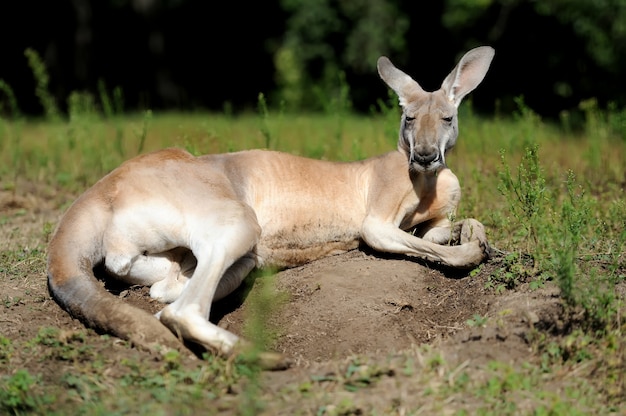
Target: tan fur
x=193, y=227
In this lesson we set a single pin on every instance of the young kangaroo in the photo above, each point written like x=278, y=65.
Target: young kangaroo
x=193, y=227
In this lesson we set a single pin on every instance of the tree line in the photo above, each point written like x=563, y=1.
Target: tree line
x=302, y=54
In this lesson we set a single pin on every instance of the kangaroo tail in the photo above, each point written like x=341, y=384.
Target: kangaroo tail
x=74, y=250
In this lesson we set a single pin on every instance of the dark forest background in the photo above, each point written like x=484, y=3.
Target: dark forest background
x=204, y=55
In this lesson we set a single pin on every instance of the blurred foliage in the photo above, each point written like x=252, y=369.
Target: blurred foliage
x=578, y=46
x=324, y=36
x=187, y=54
x=344, y=33
x=601, y=24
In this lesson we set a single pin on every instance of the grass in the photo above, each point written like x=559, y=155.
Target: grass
x=552, y=200
x=83, y=150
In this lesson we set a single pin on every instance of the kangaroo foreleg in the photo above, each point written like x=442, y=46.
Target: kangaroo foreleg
x=386, y=237
x=447, y=232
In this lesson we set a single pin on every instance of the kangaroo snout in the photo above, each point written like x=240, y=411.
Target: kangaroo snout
x=425, y=158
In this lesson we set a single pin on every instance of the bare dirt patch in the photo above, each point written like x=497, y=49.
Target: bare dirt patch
x=362, y=303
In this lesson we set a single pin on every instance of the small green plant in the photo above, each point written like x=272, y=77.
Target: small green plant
x=264, y=113
x=435, y=362
x=477, y=321
x=66, y=347
x=389, y=110
x=105, y=99
x=40, y=72
x=10, y=96
x=263, y=301
x=118, y=100
x=574, y=217
x=360, y=375
x=339, y=106
x=141, y=134
x=15, y=143
x=525, y=194
x=346, y=406
x=81, y=105
x=515, y=268
x=6, y=349
x=17, y=393
x=112, y=108
x=11, y=301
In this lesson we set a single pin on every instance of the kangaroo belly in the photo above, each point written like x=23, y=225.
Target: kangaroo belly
x=303, y=243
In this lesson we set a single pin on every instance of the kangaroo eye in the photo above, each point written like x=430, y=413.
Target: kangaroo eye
x=447, y=119
x=408, y=118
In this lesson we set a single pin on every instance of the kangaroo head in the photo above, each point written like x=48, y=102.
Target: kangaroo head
x=429, y=126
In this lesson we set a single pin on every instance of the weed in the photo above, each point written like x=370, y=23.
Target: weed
x=10, y=96
x=263, y=300
x=6, y=349
x=82, y=385
x=477, y=321
x=525, y=194
x=105, y=99
x=556, y=230
x=147, y=117
x=40, y=72
x=65, y=347
x=515, y=268
x=359, y=375
x=572, y=222
x=389, y=111
x=118, y=100
x=345, y=407
x=435, y=362
x=333, y=94
x=47, y=230
x=17, y=393
x=264, y=112
x=339, y=106
x=11, y=301
x=81, y=106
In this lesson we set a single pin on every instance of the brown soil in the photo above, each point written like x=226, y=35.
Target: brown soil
x=365, y=303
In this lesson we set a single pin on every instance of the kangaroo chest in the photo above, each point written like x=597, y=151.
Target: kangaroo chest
x=434, y=197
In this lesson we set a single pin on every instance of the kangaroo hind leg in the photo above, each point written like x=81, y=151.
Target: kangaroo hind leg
x=166, y=273
x=223, y=246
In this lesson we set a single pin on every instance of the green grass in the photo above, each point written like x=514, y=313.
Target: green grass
x=75, y=153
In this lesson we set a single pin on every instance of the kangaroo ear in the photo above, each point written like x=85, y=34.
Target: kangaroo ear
x=468, y=73
x=401, y=83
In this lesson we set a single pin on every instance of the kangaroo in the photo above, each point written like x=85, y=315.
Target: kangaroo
x=192, y=228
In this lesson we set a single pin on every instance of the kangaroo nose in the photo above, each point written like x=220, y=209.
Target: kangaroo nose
x=425, y=159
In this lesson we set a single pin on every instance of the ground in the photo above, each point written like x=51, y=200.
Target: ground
x=365, y=303
x=359, y=304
